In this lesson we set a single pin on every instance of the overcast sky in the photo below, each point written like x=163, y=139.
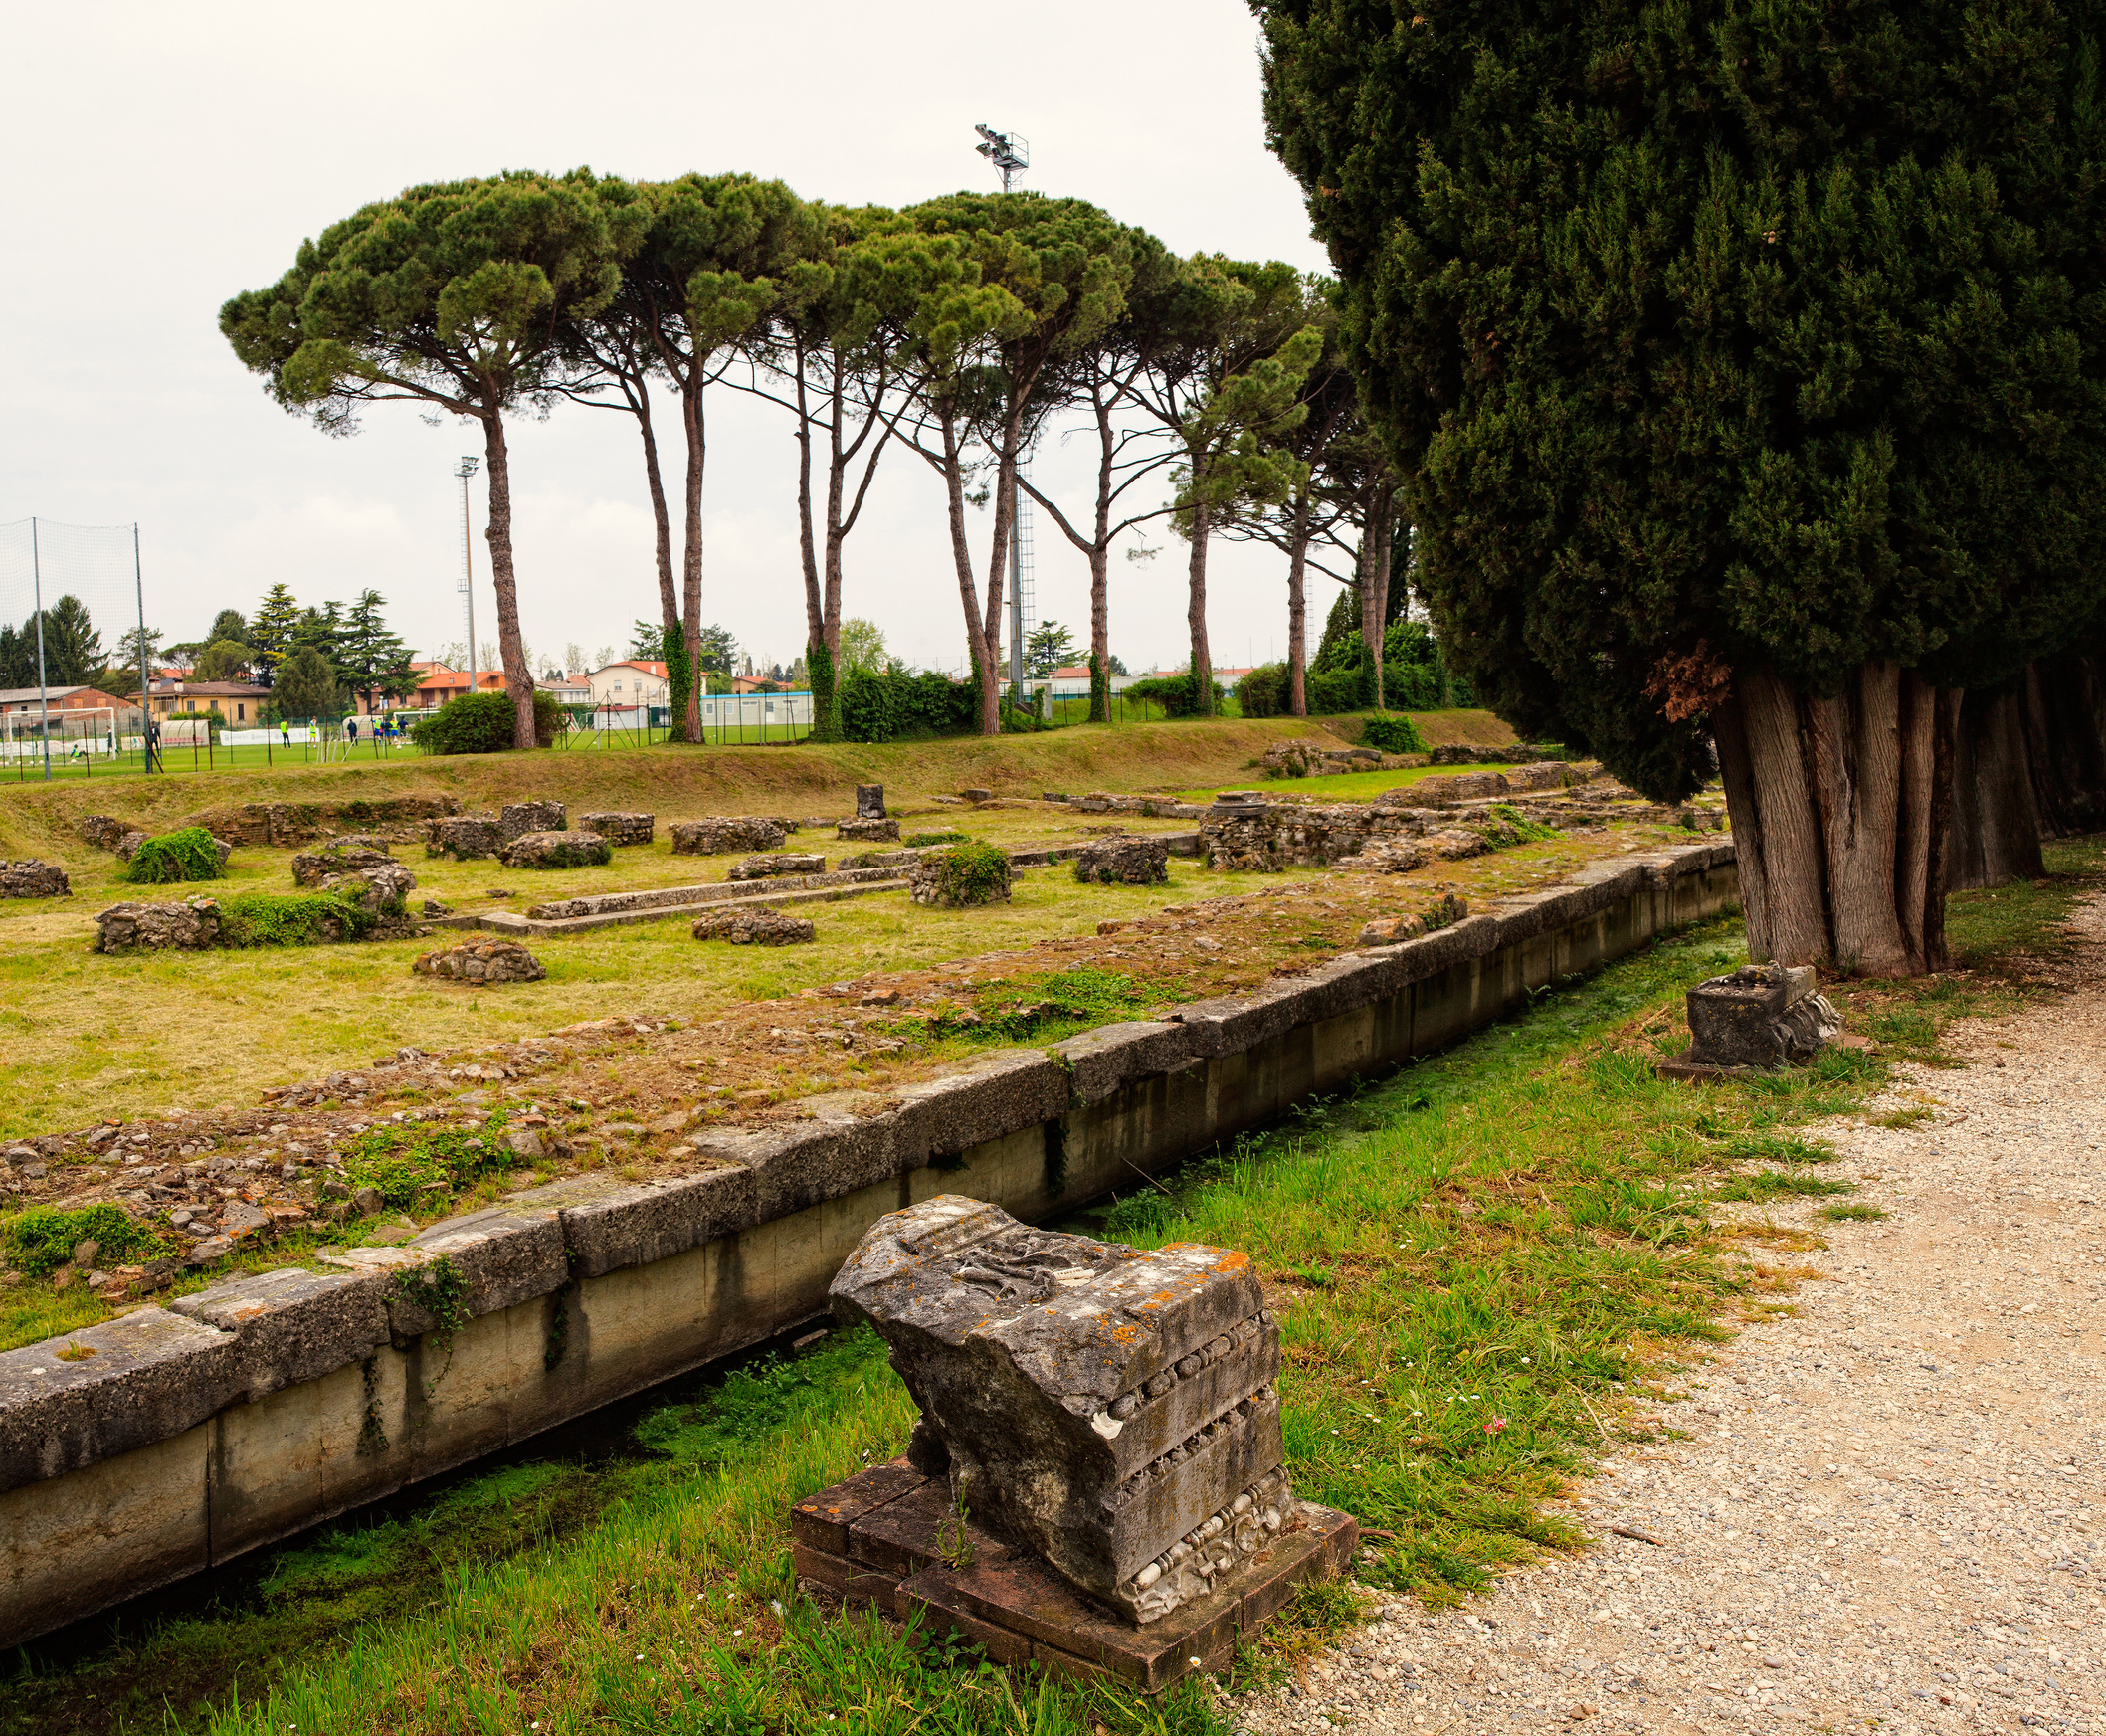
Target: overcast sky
x=161, y=158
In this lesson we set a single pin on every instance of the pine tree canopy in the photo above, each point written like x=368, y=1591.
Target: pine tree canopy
x=1716, y=337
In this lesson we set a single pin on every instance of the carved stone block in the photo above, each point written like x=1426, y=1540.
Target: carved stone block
x=1108, y=1407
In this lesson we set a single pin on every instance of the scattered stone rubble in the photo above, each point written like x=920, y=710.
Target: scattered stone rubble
x=191, y=925
x=285, y=823
x=101, y=832
x=1112, y=1410
x=383, y=891
x=621, y=829
x=1388, y=930
x=1124, y=862
x=33, y=880
x=463, y=838
x=1303, y=757
x=359, y=850
x=749, y=926
x=767, y=868
x=1153, y=807
x=555, y=850
x=482, y=961
x=517, y=819
x=722, y=834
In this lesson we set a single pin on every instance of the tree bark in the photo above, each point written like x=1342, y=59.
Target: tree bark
x=1196, y=615
x=1374, y=568
x=2064, y=718
x=692, y=562
x=978, y=652
x=1996, y=825
x=1841, y=809
x=1299, y=610
x=997, y=571
x=511, y=647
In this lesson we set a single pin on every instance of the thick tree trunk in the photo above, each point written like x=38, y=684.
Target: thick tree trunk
x=2063, y=713
x=511, y=647
x=998, y=572
x=1996, y=827
x=1841, y=810
x=1196, y=616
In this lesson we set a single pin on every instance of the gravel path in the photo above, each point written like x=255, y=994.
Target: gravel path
x=1890, y=1508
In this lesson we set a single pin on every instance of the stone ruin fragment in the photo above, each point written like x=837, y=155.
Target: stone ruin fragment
x=1111, y=1409
x=1761, y=1015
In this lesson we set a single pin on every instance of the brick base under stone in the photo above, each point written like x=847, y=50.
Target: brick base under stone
x=874, y=1540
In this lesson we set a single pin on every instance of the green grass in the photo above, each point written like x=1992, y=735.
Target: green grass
x=1484, y=1268
x=1856, y=1211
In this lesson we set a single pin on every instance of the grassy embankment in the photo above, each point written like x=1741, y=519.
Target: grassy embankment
x=36, y=818
x=1484, y=1267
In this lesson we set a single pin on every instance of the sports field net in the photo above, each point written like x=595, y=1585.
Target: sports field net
x=71, y=650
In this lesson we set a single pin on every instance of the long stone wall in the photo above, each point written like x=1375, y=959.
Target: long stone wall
x=189, y=1435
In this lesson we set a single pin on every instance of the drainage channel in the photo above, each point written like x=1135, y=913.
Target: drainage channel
x=103, y=1673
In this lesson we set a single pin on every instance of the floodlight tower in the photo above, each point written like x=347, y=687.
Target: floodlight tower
x=1010, y=154
x=1006, y=150
x=465, y=470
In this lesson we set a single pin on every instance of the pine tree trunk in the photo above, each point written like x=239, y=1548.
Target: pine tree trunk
x=692, y=567
x=978, y=652
x=1196, y=616
x=1841, y=813
x=511, y=647
x=997, y=571
x=1375, y=573
x=1298, y=612
x=1996, y=827
x=1099, y=634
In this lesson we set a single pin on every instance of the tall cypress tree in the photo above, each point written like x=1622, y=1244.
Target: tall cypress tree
x=1743, y=364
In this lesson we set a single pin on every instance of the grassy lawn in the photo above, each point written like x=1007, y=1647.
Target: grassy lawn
x=1484, y=1266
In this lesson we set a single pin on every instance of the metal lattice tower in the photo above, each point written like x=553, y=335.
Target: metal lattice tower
x=1022, y=602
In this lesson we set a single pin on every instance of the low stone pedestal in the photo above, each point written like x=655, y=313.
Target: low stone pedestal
x=887, y=1538
x=517, y=819
x=621, y=828
x=869, y=830
x=724, y=832
x=768, y=868
x=1752, y=1020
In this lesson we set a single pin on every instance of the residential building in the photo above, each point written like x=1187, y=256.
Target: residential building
x=235, y=701
x=623, y=686
x=34, y=699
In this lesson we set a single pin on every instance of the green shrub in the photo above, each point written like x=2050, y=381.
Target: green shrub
x=1508, y=825
x=191, y=853
x=483, y=724
x=1392, y=732
x=887, y=704
x=293, y=920
x=1177, y=695
x=1266, y=691
x=41, y=1238
x=973, y=872
x=921, y=839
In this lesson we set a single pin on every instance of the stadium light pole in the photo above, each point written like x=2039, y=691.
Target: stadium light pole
x=465, y=470
x=1011, y=154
